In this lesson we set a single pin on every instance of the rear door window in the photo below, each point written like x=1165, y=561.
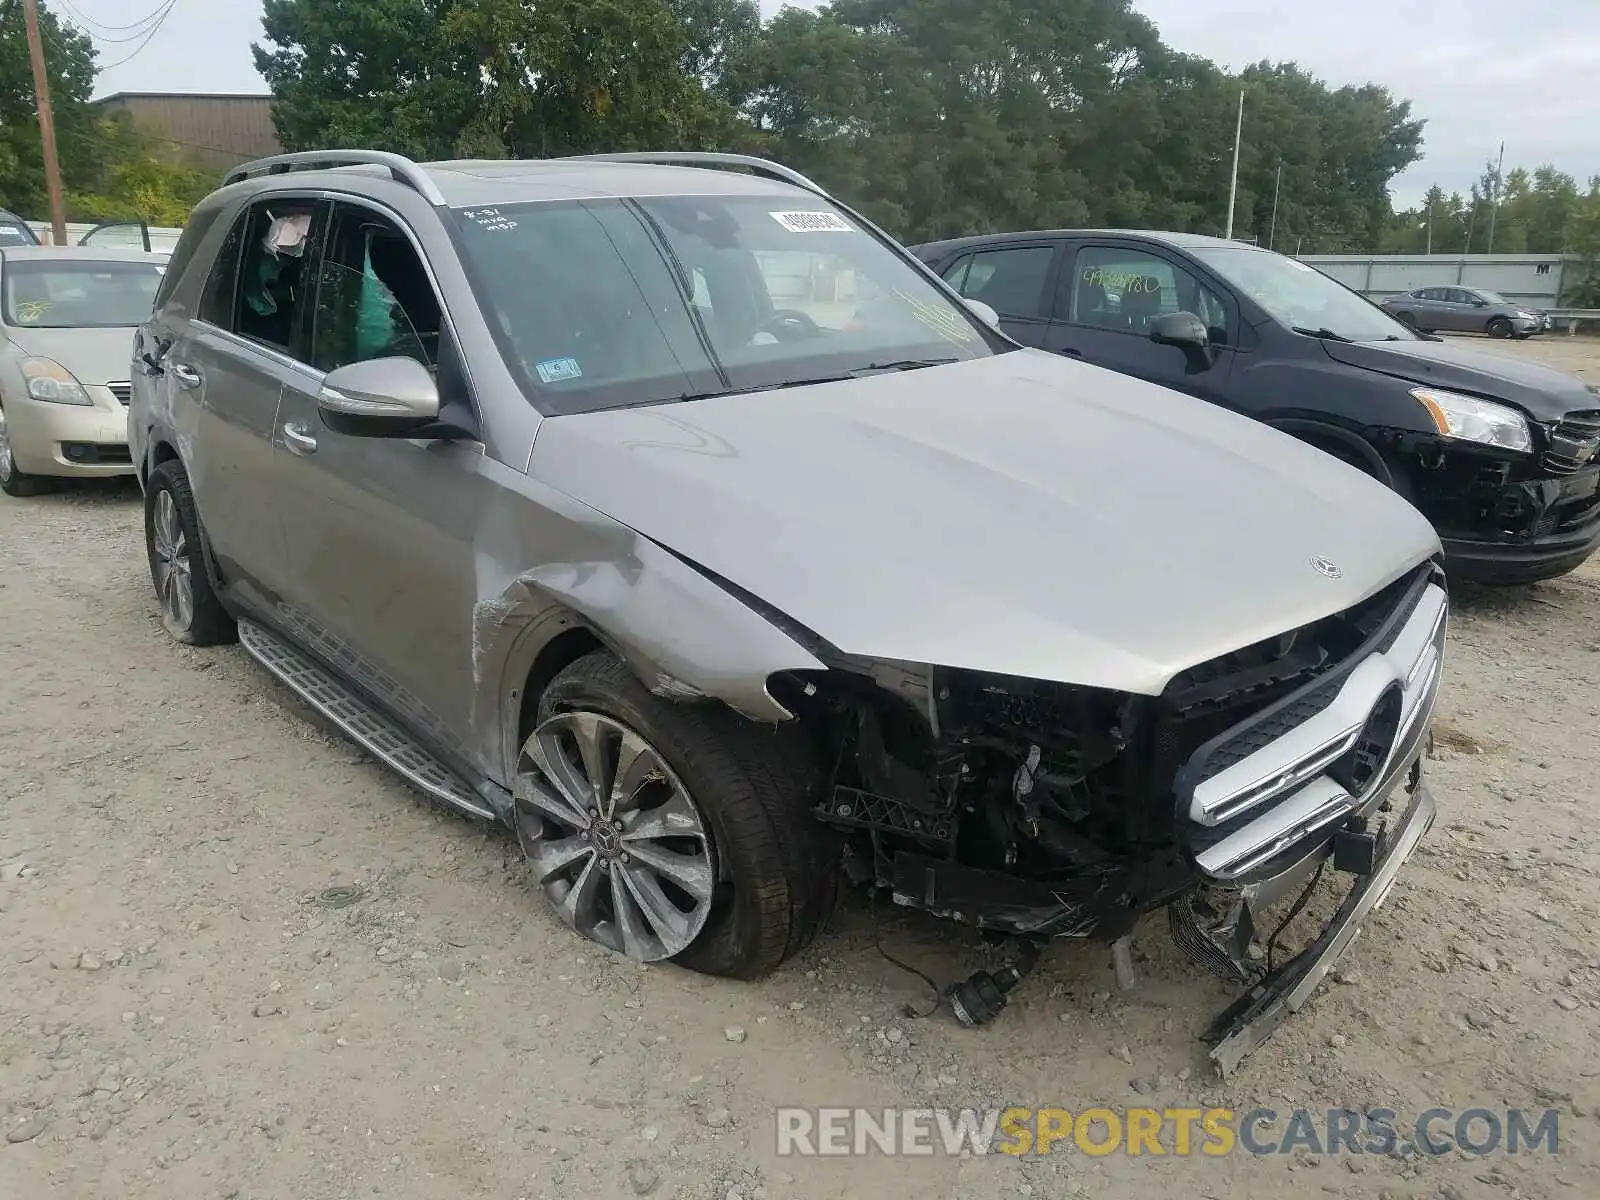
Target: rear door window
x=261, y=286
x=1009, y=279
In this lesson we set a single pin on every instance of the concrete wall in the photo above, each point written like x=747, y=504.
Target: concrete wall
x=1535, y=279
x=125, y=239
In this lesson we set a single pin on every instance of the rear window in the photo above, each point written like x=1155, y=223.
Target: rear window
x=183, y=253
x=77, y=294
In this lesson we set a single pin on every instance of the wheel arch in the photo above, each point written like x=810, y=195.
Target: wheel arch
x=1342, y=443
x=685, y=637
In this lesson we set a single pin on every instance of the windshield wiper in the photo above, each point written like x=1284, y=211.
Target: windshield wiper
x=907, y=364
x=904, y=364
x=760, y=387
x=1325, y=333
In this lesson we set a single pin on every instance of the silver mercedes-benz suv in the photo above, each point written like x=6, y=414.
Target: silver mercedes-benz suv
x=664, y=510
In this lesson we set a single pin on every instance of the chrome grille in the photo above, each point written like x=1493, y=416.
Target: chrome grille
x=122, y=391
x=1304, y=781
x=1573, y=443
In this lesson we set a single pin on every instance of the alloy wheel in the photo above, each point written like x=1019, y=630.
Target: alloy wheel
x=174, y=583
x=615, y=841
x=6, y=464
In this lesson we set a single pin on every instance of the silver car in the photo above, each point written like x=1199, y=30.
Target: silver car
x=67, y=316
x=1465, y=310
x=665, y=511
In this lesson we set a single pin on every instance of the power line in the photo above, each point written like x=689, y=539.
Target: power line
x=156, y=137
x=85, y=19
x=160, y=19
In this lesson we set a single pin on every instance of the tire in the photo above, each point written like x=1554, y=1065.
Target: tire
x=1499, y=327
x=775, y=866
x=12, y=481
x=190, y=609
x=1408, y=320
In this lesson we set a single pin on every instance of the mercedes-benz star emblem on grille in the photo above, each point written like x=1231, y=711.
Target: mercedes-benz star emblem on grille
x=1323, y=566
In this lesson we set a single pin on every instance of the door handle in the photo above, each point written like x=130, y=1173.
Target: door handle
x=298, y=438
x=1070, y=352
x=186, y=375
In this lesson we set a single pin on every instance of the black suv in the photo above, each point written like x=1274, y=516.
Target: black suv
x=1499, y=454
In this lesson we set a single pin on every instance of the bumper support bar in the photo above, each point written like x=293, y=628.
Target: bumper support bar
x=1251, y=1020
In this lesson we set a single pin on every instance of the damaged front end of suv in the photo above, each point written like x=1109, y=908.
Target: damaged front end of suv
x=1039, y=810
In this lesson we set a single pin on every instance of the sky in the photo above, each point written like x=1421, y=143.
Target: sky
x=1479, y=71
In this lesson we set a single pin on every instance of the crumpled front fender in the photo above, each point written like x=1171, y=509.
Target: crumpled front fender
x=681, y=633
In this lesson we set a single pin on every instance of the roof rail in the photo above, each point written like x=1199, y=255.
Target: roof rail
x=707, y=158
x=402, y=168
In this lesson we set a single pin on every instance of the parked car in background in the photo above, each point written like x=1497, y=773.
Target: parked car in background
x=1500, y=455
x=14, y=231
x=1465, y=310
x=67, y=316
x=738, y=549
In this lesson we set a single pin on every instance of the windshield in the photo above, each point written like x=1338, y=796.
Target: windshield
x=1300, y=297
x=598, y=304
x=61, y=294
x=1491, y=297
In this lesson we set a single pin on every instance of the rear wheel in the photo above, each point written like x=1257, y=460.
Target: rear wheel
x=1499, y=327
x=12, y=481
x=190, y=610
x=670, y=831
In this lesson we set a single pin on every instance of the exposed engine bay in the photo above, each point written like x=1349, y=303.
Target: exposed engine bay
x=1039, y=810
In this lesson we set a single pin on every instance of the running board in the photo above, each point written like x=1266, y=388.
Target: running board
x=358, y=720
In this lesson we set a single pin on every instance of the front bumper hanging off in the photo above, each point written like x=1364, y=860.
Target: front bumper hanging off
x=1252, y=1019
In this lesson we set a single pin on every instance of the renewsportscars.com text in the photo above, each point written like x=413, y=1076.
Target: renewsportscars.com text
x=1151, y=1132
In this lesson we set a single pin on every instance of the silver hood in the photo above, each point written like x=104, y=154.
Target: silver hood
x=93, y=355
x=1021, y=514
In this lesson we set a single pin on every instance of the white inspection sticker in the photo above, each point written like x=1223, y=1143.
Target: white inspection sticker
x=812, y=222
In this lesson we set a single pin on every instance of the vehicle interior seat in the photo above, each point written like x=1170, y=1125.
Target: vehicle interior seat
x=1095, y=309
x=1142, y=303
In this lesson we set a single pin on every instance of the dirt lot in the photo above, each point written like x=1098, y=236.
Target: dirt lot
x=183, y=1013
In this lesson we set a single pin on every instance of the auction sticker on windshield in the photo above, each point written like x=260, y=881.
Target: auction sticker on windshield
x=558, y=370
x=812, y=222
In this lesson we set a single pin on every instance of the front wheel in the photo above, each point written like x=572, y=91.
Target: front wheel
x=671, y=831
x=1499, y=328
x=12, y=481
x=190, y=610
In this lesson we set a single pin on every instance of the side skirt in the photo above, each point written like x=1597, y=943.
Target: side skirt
x=367, y=727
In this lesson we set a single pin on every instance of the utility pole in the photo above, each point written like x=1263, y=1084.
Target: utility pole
x=1494, y=197
x=1272, y=235
x=1233, y=182
x=47, y=126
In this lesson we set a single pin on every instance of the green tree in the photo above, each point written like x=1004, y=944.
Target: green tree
x=81, y=140
x=488, y=78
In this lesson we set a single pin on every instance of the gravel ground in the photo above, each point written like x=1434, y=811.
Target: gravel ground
x=187, y=1010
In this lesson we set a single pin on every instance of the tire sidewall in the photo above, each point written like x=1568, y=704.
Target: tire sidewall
x=18, y=483
x=171, y=479
x=723, y=944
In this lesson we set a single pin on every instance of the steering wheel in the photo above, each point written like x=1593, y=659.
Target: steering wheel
x=789, y=325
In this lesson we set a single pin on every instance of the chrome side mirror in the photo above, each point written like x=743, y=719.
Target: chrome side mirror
x=391, y=388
